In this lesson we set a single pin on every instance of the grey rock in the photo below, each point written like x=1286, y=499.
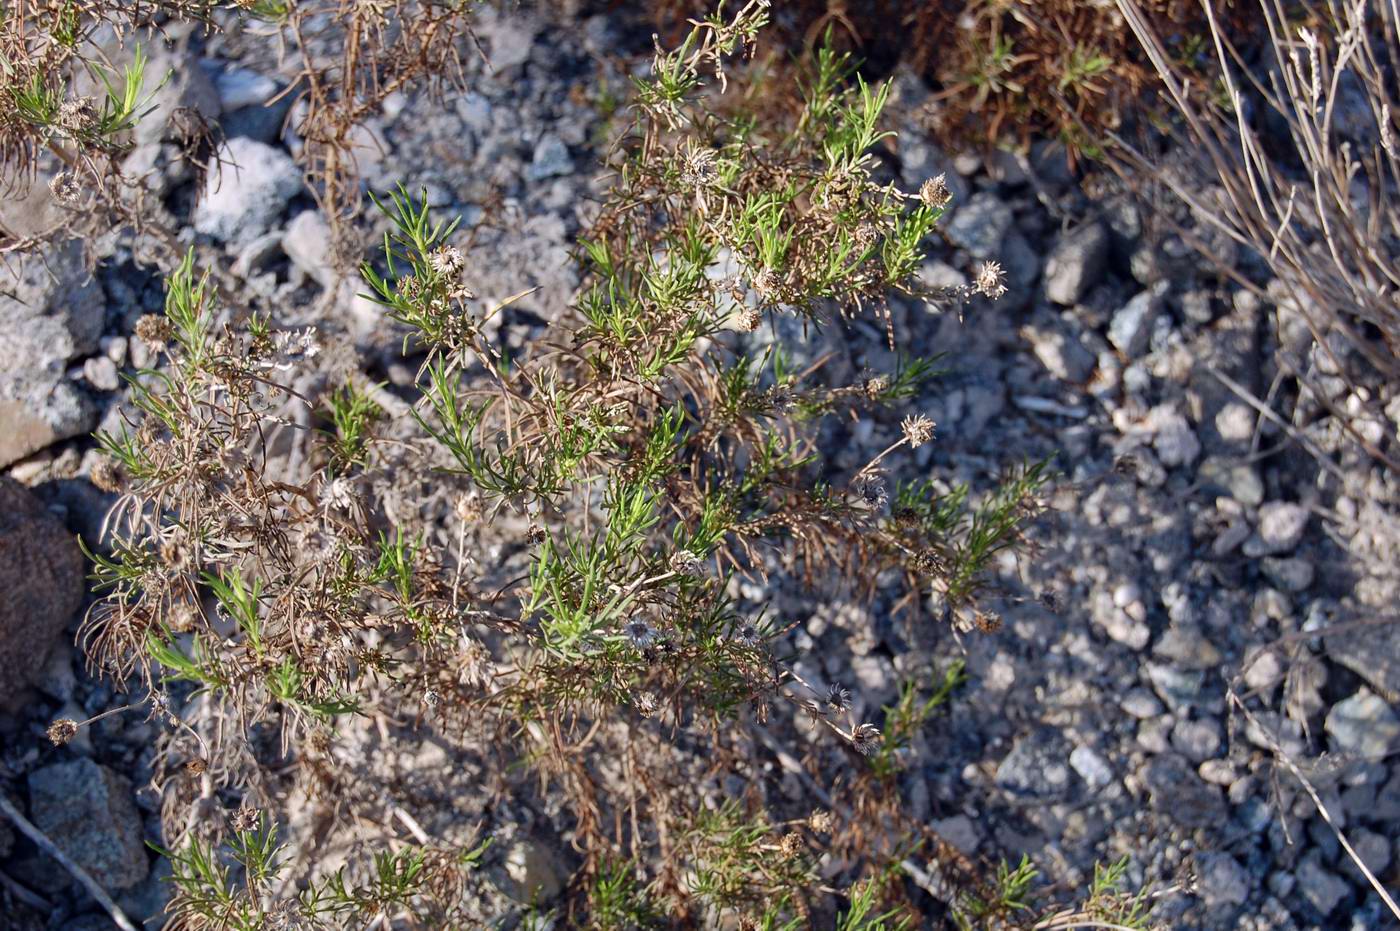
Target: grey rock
x=1319, y=885
x=1292, y=574
x=307, y=243
x=1198, y=741
x=1173, y=439
x=245, y=197
x=41, y=574
x=1177, y=792
x=101, y=373
x=960, y=831
x=508, y=37
x=1364, y=724
x=1076, y=263
x=1141, y=704
x=1372, y=849
x=1131, y=326
x=536, y=871
x=239, y=87
x=1187, y=647
x=50, y=313
x=1221, y=880
x=551, y=159
x=1062, y=354
x=1091, y=767
x=1239, y=480
x=87, y=810
x=1280, y=529
x=1373, y=653
x=1178, y=688
x=1037, y=767
x=1263, y=670
x=980, y=226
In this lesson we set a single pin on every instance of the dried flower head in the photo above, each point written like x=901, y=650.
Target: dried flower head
x=790, y=846
x=934, y=192
x=870, y=488
x=534, y=534
x=684, y=562
x=750, y=319
x=646, y=703
x=866, y=739
x=62, y=731
x=469, y=508
x=245, y=818
x=196, y=766
x=77, y=115
x=431, y=698
x=640, y=633
x=748, y=634
x=154, y=330
x=473, y=662
x=66, y=188
x=990, y=280
x=866, y=235
x=838, y=698
x=698, y=167
x=107, y=475
x=918, y=430
x=764, y=284
x=448, y=261
x=821, y=821
x=875, y=386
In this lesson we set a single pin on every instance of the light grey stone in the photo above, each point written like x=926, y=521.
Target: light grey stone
x=101, y=373
x=1131, y=326
x=1076, y=263
x=1037, y=767
x=1280, y=529
x=1091, y=767
x=1364, y=724
x=87, y=810
x=240, y=87
x=1221, y=880
x=1198, y=741
x=245, y=197
x=980, y=225
x=1062, y=354
x=307, y=243
x=1319, y=885
x=536, y=871
x=1173, y=439
x=551, y=159
x=961, y=832
x=1291, y=574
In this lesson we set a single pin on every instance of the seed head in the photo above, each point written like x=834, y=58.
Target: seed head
x=154, y=330
x=698, y=167
x=918, y=430
x=684, y=562
x=245, y=818
x=821, y=821
x=750, y=319
x=764, y=284
x=934, y=192
x=748, y=634
x=866, y=235
x=62, y=731
x=876, y=385
x=66, y=188
x=469, y=508
x=990, y=280
x=870, y=487
x=790, y=846
x=77, y=115
x=534, y=534
x=866, y=739
x=646, y=703
x=448, y=261
x=838, y=698
x=640, y=632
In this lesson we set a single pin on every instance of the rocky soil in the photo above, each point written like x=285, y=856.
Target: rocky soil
x=1204, y=597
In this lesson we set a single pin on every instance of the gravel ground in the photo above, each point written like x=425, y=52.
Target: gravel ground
x=1192, y=552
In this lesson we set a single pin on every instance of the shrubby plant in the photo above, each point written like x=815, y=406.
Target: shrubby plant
x=295, y=549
